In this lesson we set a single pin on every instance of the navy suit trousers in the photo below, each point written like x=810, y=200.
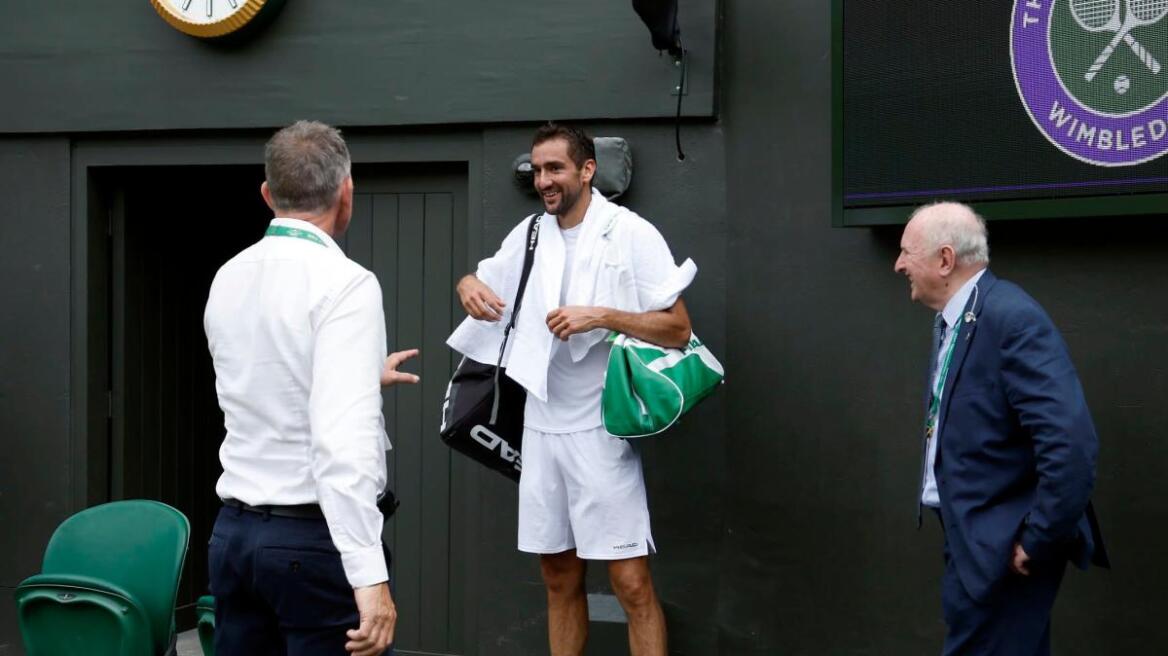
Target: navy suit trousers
x=279, y=587
x=1014, y=621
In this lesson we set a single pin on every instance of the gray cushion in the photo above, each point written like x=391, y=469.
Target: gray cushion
x=614, y=167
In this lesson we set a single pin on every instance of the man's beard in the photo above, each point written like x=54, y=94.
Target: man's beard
x=568, y=200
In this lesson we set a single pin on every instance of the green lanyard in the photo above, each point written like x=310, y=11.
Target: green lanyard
x=935, y=406
x=285, y=231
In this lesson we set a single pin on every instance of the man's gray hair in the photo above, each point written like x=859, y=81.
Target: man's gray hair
x=956, y=225
x=305, y=165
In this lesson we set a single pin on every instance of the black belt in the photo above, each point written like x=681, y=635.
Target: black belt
x=387, y=504
x=301, y=511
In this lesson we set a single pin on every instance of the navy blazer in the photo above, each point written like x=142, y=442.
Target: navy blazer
x=1016, y=461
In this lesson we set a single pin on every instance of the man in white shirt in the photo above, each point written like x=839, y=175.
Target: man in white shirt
x=296, y=331
x=598, y=268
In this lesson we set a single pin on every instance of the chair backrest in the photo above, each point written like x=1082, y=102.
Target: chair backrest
x=138, y=545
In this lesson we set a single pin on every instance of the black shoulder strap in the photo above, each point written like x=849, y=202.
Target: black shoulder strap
x=528, y=261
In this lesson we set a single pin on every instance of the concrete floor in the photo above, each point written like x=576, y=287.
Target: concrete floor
x=188, y=644
x=607, y=631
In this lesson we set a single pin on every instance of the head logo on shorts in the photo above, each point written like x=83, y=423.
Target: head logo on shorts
x=1093, y=75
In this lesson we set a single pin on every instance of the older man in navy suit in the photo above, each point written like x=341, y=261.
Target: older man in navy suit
x=1009, y=448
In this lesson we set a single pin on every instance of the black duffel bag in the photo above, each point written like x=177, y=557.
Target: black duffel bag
x=482, y=416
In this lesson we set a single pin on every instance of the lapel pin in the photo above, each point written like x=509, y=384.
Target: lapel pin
x=970, y=317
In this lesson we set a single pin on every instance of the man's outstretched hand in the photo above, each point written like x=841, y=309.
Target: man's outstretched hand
x=389, y=373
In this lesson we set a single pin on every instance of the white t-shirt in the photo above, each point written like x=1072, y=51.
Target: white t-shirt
x=574, y=388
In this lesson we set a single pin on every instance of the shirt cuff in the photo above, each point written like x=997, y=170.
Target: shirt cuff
x=365, y=566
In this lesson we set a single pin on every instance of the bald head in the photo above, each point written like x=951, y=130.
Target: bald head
x=955, y=225
x=943, y=245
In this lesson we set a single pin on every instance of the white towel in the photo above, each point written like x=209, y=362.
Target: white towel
x=621, y=262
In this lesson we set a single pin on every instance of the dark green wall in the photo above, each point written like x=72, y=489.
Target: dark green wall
x=94, y=66
x=783, y=506
x=36, y=477
x=821, y=555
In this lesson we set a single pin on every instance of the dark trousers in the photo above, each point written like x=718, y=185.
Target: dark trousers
x=279, y=587
x=1014, y=621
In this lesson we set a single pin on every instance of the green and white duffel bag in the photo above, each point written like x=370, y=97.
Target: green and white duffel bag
x=648, y=387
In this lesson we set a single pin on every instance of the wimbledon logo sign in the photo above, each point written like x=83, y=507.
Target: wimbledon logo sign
x=1093, y=75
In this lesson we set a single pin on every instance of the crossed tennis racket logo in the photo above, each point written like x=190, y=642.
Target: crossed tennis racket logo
x=1107, y=16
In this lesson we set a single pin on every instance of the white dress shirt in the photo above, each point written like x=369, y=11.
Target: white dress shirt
x=297, y=335
x=952, y=314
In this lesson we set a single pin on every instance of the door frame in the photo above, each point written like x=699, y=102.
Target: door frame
x=95, y=165
x=462, y=500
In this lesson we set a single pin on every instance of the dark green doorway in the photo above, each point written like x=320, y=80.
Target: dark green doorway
x=171, y=230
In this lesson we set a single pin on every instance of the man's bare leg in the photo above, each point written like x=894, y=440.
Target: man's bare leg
x=634, y=589
x=563, y=576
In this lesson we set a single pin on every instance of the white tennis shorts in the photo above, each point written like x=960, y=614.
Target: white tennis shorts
x=583, y=491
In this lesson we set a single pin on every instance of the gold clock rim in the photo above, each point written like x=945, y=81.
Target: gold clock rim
x=208, y=30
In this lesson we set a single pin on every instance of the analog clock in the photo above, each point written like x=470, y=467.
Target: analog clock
x=213, y=18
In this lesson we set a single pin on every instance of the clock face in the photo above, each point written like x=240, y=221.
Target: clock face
x=211, y=18
x=205, y=11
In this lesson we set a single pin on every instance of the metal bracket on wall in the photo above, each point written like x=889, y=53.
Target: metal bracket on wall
x=681, y=80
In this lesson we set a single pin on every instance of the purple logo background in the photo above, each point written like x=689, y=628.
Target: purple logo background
x=1039, y=87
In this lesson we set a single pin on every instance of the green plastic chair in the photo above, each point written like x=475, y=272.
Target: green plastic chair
x=108, y=583
x=205, y=612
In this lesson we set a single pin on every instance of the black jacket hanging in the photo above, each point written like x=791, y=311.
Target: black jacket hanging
x=660, y=16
